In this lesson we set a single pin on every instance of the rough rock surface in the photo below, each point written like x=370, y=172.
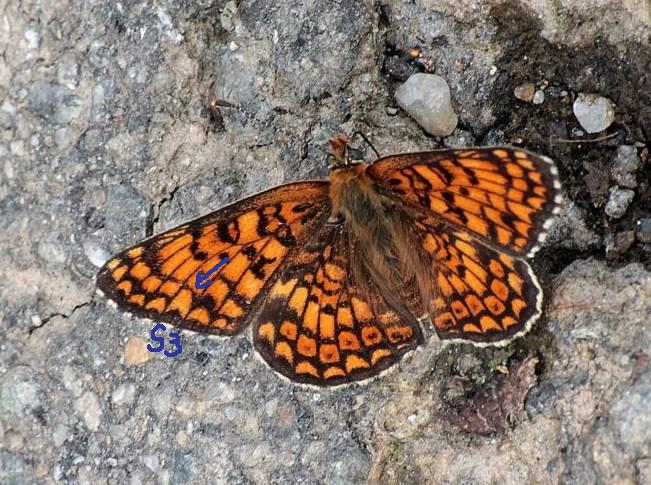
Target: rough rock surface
x=109, y=132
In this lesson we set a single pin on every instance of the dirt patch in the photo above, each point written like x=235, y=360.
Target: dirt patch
x=620, y=73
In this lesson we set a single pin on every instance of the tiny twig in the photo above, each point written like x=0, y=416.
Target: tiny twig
x=586, y=140
x=378, y=464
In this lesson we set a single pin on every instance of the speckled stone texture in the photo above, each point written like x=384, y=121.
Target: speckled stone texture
x=107, y=135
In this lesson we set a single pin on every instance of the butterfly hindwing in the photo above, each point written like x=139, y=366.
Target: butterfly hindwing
x=482, y=295
x=318, y=329
x=157, y=277
x=503, y=196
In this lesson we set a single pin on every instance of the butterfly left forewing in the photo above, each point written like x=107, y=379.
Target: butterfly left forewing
x=157, y=278
x=504, y=196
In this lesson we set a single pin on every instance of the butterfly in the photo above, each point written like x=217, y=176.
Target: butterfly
x=335, y=276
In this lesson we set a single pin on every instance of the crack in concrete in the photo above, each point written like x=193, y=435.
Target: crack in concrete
x=47, y=319
x=154, y=212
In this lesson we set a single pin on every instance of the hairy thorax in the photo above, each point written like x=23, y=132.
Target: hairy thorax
x=385, y=251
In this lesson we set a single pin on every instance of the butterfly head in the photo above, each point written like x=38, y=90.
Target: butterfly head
x=342, y=156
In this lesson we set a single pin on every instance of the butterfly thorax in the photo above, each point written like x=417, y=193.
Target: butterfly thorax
x=384, y=248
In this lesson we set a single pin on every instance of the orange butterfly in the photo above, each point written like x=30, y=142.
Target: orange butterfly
x=334, y=274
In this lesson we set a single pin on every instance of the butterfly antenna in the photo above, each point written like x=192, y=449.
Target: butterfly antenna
x=367, y=142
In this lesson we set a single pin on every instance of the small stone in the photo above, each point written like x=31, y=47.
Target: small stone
x=151, y=462
x=60, y=434
x=644, y=230
x=595, y=113
x=71, y=109
x=163, y=403
x=182, y=438
x=620, y=243
x=391, y=111
x=228, y=15
x=625, y=166
x=618, y=202
x=124, y=394
x=89, y=409
x=68, y=72
x=426, y=97
x=525, y=92
x=7, y=107
x=135, y=351
x=539, y=97
x=61, y=137
x=33, y=38
x=17, y=148
x=96, y=254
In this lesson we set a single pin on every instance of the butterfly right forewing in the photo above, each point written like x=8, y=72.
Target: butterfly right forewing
x=504, y=196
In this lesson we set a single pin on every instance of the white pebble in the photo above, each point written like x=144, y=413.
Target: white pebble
x=426, y=97
x=595, y=113
x=618, y=202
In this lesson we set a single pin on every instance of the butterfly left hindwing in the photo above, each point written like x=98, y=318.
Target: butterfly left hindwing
x=318, y=328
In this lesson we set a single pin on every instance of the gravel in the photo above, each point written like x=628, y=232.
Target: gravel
x=625, y=167
x=525, y=92
x=618, y=202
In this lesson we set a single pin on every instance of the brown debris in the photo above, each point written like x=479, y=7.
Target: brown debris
x=495, y=409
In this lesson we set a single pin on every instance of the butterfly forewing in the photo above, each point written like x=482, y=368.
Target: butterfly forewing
x=157, y=277
x=503, y=196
